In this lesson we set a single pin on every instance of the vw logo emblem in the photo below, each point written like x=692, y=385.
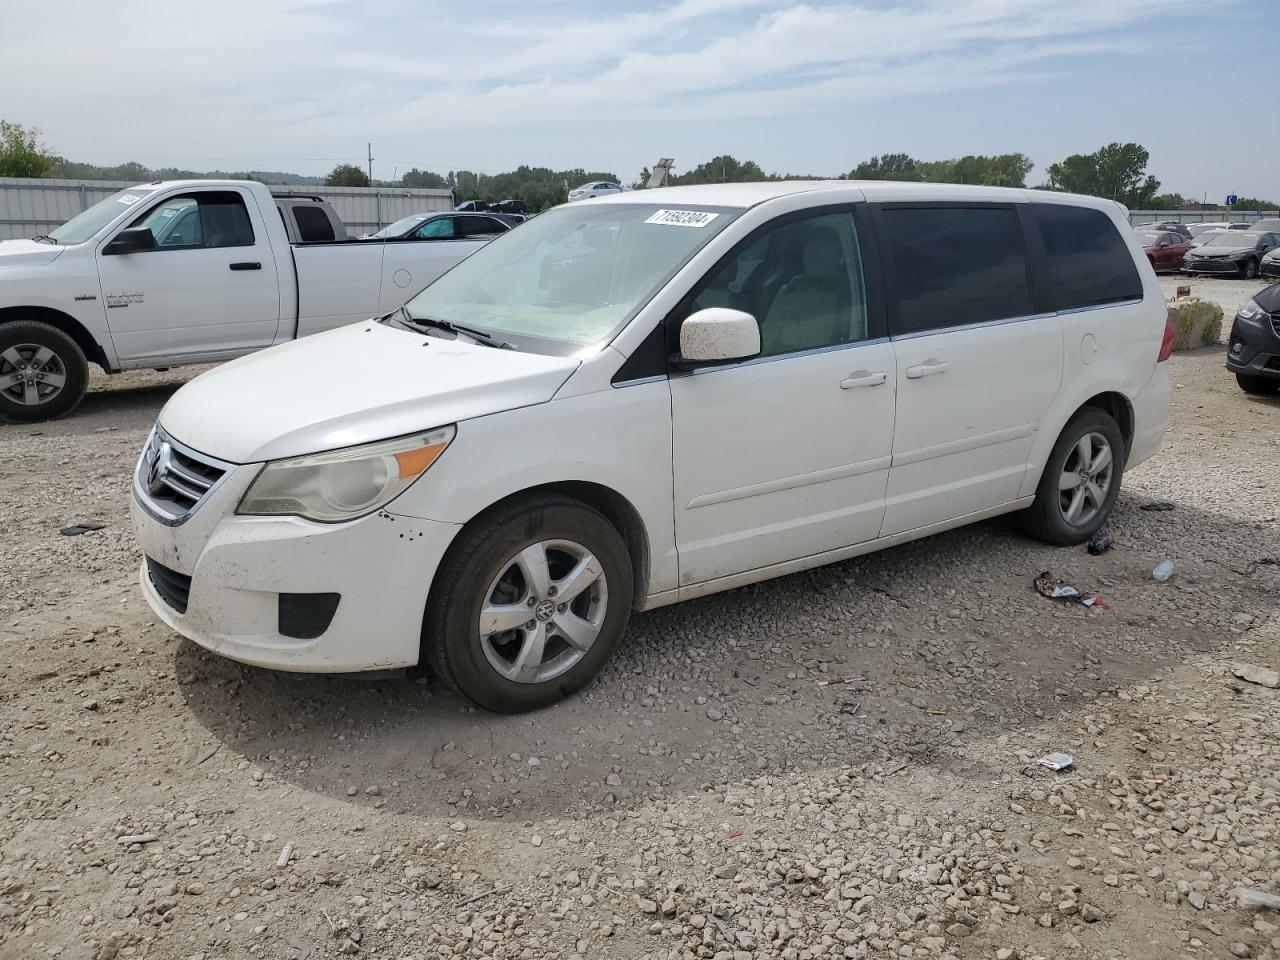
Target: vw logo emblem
x=159, y=468
x=545, y=610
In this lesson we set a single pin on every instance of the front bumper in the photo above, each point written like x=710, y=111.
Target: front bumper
x=1254, y=347
x=1223, y=265
x=381, y=567
x=1269, y=268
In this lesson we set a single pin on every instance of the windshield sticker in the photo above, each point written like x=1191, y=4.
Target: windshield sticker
x=128, y=199
x=683, y=218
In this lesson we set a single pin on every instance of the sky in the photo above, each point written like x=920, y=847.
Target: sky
x=612, y=85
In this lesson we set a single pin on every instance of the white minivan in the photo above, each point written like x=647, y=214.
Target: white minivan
x=647, y=398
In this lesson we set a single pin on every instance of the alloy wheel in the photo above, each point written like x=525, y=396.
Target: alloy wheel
x=543, y=611
x=31, y=374
x=1085, y=479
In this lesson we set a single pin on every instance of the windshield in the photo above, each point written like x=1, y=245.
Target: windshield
x=1232, y=238
x=80, y=228
x=571, y=277
x=399, y=227
x=1149, y=239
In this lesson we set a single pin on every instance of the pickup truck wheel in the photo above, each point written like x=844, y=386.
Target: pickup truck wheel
x=43, y=372
x=1080, y=482
x=529, y=603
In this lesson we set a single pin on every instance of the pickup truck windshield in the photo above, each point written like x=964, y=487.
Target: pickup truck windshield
x=83, y=226
x=571, y=277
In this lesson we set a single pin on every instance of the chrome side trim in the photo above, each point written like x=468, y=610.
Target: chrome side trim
x=1100, y=306
x=786, y=356
x=972, y=326
x=787, y=483
x=963, y=444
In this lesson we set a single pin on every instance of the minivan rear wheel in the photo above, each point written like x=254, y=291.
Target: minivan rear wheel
x=1080, y=482
x=529, y=603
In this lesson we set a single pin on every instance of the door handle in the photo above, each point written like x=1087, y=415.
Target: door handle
x=864, y=378
x=930, y=368
x=250, y=265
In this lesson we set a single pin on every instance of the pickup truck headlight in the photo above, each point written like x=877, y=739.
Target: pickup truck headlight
x=343, y=484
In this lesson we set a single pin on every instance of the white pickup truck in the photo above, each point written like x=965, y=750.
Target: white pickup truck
x=188, y=271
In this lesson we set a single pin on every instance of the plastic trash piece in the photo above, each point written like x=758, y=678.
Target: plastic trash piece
x=1257, y=899
x=1101, y=543
x=1164, y=571
x=1047, y=586
x=1056, y=761
x=85, y=526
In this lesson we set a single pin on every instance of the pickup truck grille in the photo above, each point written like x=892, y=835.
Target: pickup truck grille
x=172, y=480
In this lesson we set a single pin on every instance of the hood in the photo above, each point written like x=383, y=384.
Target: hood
x=28, y=253
x=1221, y=251
x=353, y=385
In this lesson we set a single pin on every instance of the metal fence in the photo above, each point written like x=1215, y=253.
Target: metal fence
x=1200, y=216
x=29, y=208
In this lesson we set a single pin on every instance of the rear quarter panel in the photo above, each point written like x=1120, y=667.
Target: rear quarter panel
x=1110, y=348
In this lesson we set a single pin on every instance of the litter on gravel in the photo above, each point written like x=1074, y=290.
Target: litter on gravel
x=1053, y=589
x=1056, y=761
x=85, y=526
x=1101, y=543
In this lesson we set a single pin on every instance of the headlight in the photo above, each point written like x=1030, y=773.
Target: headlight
x=343, y=484
x=1251, y=311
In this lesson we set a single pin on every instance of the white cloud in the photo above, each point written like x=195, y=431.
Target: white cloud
x=294, y=79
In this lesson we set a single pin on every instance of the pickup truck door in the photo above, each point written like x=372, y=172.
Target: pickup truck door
x=208, y=289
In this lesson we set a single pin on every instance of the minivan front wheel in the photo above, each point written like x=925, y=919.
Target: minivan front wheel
x=1080, y=482
x=529, y=604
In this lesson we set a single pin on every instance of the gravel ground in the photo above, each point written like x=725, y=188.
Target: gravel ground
x=839, y=763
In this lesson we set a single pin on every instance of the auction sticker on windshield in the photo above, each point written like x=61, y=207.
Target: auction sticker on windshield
x=128, y=199
x=682, y=218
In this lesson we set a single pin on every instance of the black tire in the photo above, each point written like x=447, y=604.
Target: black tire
x=451, y=642
x=1258, y=386
x=67, y=361
x=1044, y=519
x=1250, y=269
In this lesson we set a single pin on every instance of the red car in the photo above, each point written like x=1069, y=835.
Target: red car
x=1165, y=250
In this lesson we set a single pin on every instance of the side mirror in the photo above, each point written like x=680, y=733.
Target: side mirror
x=133, y=240
x=718, y=335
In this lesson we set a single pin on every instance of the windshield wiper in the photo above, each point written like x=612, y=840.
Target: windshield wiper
x=45, y=238
x=488, y=339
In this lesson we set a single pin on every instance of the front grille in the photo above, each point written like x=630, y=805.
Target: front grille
x=172, y=480
x=174, y=587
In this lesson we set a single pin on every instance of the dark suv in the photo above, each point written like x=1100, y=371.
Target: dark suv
x=1253, y=353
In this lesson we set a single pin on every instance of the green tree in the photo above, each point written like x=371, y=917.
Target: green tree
x=21, y=154
x=424, y=179
x=1253, y=203
x=1117, y=171
x=887, y=166
x=723, y=169
x=346, y=175
x=1168, y=201
x=1001, y=170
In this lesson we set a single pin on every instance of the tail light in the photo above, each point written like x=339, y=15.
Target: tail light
x=1166, y=345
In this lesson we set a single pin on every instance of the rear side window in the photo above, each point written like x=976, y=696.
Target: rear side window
x=313, y=224
x=955, y=266
x=478, y=226
x=1088, y=262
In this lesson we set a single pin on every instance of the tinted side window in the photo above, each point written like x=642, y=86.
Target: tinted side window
x=439, y=229
x=313, y=224
x=1088, y=262
x=477, y=226
x=802, y=280
x=207, y=219
x=955, y=266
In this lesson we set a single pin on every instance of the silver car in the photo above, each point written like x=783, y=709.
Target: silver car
x=597, y=188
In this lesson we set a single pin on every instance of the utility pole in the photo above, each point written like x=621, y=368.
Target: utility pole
x=370, y=148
